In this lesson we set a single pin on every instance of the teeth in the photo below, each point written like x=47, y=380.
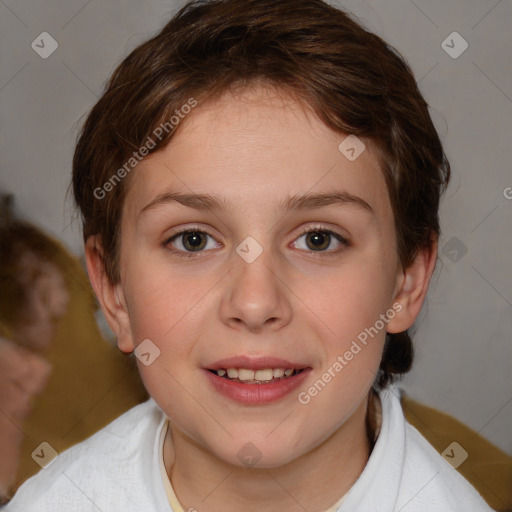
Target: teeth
x=245, y=375
x=264, y=375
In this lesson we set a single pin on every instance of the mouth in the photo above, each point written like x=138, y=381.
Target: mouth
x=260, y=376
x=256, y=381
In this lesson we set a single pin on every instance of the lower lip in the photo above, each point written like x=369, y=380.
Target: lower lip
x=257, y=394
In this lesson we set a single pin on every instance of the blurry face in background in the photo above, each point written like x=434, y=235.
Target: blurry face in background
x=255, y=285
x=46, y=301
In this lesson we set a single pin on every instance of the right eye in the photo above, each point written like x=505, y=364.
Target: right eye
x=188, y=242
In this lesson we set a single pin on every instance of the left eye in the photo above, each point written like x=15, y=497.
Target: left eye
x=318, y=240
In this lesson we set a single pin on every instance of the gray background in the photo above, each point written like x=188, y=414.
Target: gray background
x=463, y=341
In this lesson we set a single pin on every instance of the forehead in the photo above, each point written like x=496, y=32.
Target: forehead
x=254, y=149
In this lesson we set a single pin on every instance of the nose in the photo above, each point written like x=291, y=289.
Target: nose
x=256, y=296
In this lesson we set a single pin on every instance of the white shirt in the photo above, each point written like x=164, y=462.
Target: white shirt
x=119, y=469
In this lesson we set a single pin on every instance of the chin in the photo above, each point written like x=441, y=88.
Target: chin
x=259, y=454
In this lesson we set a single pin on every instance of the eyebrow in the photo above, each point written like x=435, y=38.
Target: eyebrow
x=295, y=202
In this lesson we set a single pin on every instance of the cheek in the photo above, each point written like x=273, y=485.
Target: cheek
x=346, y=308
x=168, y=311
x=349, y=298
x=162, y=299
x=171, y=311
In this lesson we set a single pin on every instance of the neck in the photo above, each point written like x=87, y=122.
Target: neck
x=315, y=481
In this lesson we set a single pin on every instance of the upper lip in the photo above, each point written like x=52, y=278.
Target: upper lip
x=255, y=363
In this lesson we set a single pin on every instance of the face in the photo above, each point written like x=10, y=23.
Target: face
x=47, y=299
x=265, y=280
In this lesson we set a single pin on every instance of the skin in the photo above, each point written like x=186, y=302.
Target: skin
x=257, y=147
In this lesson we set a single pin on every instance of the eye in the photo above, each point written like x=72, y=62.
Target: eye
x=317, y=239
x=188, y=242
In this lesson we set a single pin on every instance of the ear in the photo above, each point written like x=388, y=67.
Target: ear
x=411, y=288
x=110, y=296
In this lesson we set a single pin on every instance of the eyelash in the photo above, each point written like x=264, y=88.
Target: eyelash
x=311, y=229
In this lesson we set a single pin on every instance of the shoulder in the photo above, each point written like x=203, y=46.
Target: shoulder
x=89, y=471
x=429, y=482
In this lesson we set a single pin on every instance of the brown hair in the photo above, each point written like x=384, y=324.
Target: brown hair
x=18, y=275
x=354, y=81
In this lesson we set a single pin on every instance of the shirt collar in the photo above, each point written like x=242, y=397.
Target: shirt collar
x=377, y=487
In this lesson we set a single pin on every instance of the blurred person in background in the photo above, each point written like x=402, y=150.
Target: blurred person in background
x=33, y=298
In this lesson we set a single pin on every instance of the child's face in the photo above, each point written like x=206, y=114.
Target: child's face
x=292, y=302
